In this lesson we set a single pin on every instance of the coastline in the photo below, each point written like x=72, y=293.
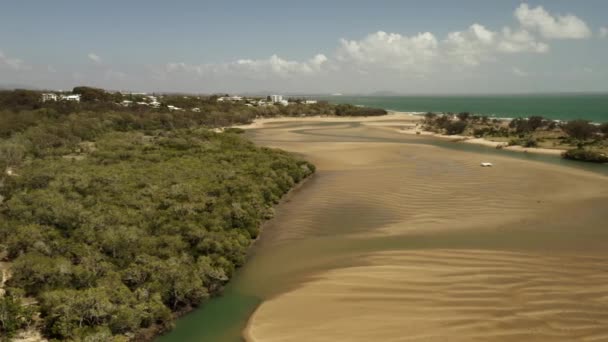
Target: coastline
x=411, y=128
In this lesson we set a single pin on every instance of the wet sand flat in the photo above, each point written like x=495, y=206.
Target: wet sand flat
x=439, y=295
x=399, y=240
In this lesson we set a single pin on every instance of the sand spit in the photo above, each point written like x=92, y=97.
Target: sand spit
x=402, y=122
x=439, y=295
x=262, y=122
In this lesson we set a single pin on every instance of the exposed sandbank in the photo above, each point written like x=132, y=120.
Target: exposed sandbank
x=439, y=295
x=402, y=122
x=543, y=282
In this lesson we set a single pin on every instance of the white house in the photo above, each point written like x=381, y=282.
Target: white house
x=49, y=97
x=276, y=98
x=310, y=101
x=73, y=97
x=233, y=98
x=171, y=107
x=196, y=109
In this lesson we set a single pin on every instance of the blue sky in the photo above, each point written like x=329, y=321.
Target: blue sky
x=307, y=46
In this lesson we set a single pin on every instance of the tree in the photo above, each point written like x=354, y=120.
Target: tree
x=604, y=129
x=89, y=94
x=429, y=117
x=21, y=99
x=520, y=125
x=580, y=129
x=535, y=122
x=456, y=127
x=463, y=116
x=11, y=154
x=13, y=315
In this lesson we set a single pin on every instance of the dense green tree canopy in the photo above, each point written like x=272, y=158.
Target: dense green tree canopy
x=113, y=221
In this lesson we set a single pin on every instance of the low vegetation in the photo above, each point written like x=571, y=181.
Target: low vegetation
x=586, y=155
x=583, y=140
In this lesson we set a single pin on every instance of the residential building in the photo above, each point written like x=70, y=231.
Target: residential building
x=276, y=98
x=171, y=107
x=49, y=97
x=73, y=97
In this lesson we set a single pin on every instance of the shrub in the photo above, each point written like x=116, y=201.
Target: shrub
x=520, y=125
x=535, y=122
x=464, y=116
x=456, y=127
x=514, y=142
x=480, y=132
x=234, y=130
x=580, y=129
x=530, y=142
x=586, y=155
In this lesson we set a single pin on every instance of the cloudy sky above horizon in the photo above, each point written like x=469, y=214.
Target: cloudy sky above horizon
x=408, y=47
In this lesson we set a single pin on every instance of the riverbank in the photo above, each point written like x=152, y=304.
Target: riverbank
x=484, y=142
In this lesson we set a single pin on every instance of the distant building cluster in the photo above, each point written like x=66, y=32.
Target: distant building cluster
x=148, y=100
x=269, y=101
x=143, y=99
x=229, y=99
x=61, y=97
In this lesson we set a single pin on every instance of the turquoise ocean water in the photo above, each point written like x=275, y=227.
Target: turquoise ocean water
x=593, y=107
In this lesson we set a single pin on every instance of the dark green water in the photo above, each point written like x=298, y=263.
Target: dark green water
x=593, y=107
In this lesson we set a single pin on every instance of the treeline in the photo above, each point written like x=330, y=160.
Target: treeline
x=114, y=221
x=99, y=101
x=590, y=140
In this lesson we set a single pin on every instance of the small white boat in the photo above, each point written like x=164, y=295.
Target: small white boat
x=486, y=164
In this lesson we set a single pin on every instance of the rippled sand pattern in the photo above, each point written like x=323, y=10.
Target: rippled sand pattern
x=398, y=240
x=446, y=295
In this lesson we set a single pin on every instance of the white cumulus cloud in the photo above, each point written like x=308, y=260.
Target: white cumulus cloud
x=424, y=51
x=274, y=66
x=15, y=64
x=518, y=72
x=391, y=50
x=470, y=47
x=278, y=66
x=549, y=26
x=520, y=41
x=93, y=57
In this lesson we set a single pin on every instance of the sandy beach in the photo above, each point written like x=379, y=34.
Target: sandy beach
x=401, y=241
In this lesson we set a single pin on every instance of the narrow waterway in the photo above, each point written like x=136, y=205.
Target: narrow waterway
x=383, y=200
